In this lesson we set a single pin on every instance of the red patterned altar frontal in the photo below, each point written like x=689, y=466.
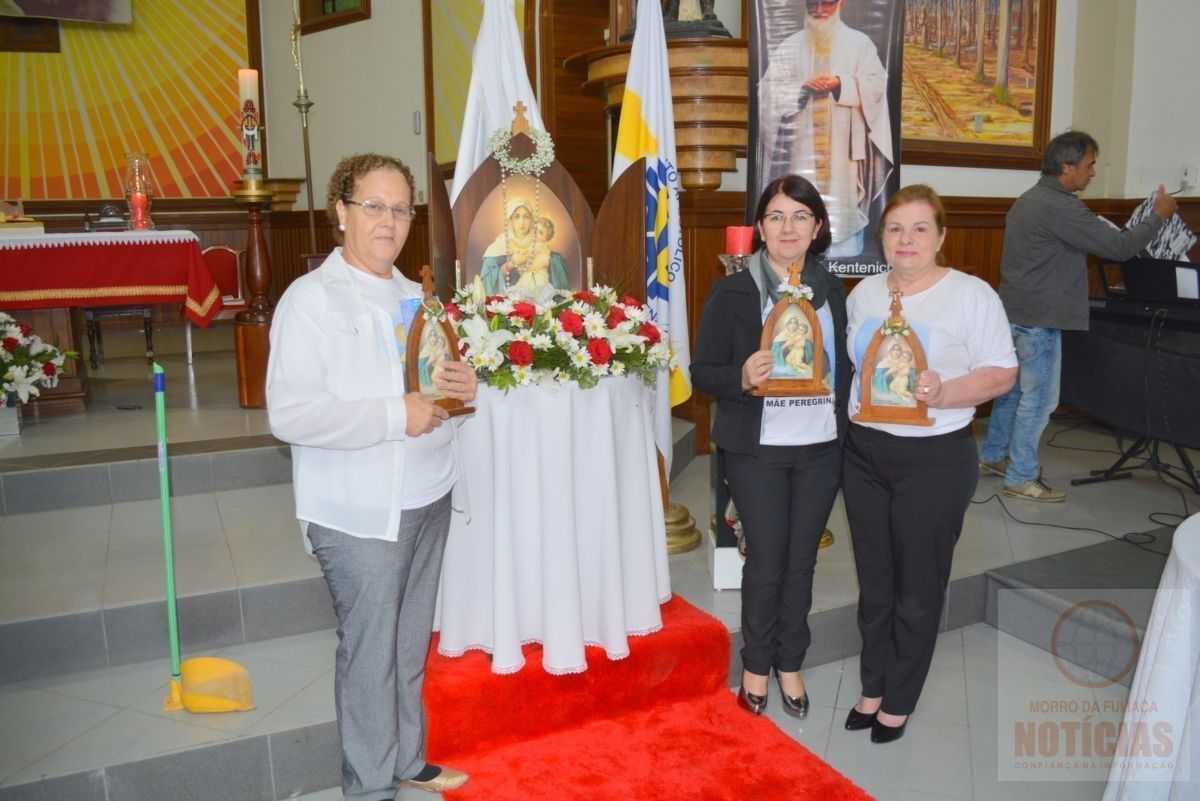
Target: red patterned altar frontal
x=108, y=269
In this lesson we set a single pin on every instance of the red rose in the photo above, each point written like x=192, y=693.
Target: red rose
x=651, y=333
x=599, y=350
x=492, y=299
x=586, y=297
x=10, y=344
x=452, y=311
x=49, y=369
x=524, y=311
x=25, y=330
x=629, y=300
x=571, y=322
x=521, y=353
x=616, y=316
x=462, y=348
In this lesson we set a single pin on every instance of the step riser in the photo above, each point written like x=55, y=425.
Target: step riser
x=117, y=482
x=124, y=635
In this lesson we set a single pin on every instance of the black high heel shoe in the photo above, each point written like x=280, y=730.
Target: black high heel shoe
x=754, y=704
x=796, y=706
x=857, y=721
x=882, y=733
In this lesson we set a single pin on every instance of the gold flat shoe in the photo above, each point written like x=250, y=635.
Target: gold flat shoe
x=448, y=779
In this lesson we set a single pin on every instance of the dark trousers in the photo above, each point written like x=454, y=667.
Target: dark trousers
x=905, y=499
x=783, y=495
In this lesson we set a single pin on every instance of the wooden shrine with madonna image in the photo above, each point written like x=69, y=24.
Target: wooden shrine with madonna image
x=431, y=340
x=793, y=335
x=891, y=363
x=521, y=222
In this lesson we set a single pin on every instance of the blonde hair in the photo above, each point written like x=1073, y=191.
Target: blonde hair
x=349, y=171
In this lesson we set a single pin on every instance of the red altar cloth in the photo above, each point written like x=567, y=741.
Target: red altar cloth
x=108, y=269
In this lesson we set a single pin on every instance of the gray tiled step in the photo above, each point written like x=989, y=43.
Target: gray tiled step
x=286, y=763
x=115, y=482
x=122, y=635
x=1088, y=606
x=262, y=767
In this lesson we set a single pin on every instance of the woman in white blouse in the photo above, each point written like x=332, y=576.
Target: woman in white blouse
x=907, y=488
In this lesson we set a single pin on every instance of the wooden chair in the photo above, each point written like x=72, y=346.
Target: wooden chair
x=228, y=268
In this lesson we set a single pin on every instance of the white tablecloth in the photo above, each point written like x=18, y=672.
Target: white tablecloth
x=566, y=543
x=1164, y=700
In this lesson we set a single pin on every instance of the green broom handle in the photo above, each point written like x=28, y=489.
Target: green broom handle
x=164, y=492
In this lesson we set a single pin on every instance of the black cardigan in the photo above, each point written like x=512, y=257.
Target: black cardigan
x=730, y=330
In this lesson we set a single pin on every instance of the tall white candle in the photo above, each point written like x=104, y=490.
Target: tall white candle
x=249, y=124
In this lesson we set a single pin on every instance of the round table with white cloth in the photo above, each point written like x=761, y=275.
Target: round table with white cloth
x=1158, y=755
x=565, y=543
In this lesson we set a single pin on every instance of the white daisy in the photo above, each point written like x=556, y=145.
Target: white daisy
x=579, y=307
x=523, y=373
x=599, y=370
x=618, y=368
x=541, y=341
x=594, y=325
x=581, y=358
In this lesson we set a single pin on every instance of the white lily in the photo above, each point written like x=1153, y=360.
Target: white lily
x=482, y=341
x=20, y=381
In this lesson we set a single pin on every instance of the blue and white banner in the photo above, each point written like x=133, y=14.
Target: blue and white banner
x=647, y=129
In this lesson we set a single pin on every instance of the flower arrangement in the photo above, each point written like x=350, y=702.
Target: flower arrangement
x=27, y=362
x=558, y=337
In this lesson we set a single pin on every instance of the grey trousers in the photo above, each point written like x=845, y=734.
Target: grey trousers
x=384, y=595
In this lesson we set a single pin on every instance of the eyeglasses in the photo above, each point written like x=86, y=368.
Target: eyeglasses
x=373, y=208
x=799, y=218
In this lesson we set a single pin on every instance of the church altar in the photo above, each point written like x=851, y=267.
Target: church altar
x=564, y=541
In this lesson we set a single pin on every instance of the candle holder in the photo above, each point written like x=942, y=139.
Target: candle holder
x=139, y=191
x=252, y=326
x=733, y=262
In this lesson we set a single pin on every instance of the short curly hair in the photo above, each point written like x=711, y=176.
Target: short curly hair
x=349, y=171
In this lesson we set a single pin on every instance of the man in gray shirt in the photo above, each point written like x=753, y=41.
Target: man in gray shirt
x=1043, y=284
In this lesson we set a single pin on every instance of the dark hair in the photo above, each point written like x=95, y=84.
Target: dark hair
x=1066, y=148
x=801, y=191
x=347, y=174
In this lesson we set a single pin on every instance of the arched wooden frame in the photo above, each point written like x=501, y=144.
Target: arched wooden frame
x=870, y=412
x=794, y=387
x=555, y=178
x=453, y=406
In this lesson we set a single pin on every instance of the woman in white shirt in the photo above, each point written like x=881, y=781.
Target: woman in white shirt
x=373, y=467
x=907, y=488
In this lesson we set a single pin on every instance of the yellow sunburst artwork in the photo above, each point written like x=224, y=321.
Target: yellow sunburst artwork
x=165, y=85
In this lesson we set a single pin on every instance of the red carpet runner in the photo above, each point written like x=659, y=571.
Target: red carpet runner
x=658, y=726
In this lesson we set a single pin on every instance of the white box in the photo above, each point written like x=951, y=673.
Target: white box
x=724, y=565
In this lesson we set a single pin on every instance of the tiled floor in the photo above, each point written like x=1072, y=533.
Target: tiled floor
x=79, y=559
x=948, y=752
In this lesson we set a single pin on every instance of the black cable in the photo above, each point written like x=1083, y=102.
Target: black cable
x=1128, y=537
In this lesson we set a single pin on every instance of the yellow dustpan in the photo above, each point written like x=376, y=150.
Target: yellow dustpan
x=204, y=684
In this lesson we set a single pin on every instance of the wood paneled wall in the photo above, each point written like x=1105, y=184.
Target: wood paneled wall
x=974, y=240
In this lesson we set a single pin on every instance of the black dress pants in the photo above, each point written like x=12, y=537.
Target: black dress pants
x=906, y=498
x=784, y=496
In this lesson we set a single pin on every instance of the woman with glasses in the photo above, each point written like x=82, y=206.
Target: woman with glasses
x=373, y=466
x=907, y=487
x=782, y=456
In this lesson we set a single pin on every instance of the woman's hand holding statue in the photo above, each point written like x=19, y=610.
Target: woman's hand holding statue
x=456, y=380
x=423, y=414
x=929, y=389
x=757, y=369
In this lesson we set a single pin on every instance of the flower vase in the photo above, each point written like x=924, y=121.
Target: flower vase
x=10, y=416
x=139, y=191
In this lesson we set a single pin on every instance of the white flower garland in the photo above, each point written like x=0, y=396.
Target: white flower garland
x=798, y=292
x=543, y=153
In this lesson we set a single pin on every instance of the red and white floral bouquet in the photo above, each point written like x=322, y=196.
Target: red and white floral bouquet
x=26, y=362
x=518, y=339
